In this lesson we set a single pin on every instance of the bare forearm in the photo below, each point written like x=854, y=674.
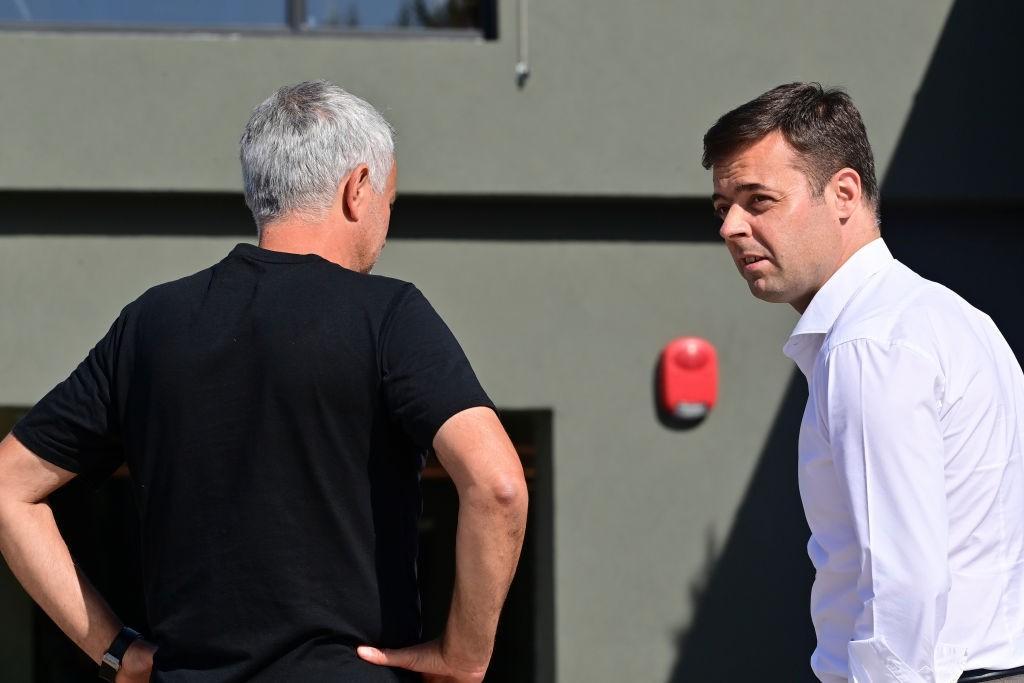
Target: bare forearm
x=39, y=558
x=487, y=547
x=474, y=449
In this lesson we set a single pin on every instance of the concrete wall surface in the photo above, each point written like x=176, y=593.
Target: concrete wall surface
x=562, y=230
x=623, y=91
x=671, y=548
x=574, y=327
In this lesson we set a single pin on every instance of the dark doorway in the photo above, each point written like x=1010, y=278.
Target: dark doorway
x=100, y=524
x=523, y=651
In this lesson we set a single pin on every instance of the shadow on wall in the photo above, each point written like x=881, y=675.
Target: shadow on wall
x=951, y=198
x=750, y=605
x=416, y=217
x=961, y=145
x=970, y=249
x=963, y=137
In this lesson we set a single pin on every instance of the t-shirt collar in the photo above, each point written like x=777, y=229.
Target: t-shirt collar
x=830, y=300
x=254, y=252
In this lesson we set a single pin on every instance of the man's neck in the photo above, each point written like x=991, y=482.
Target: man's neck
x=863, y=238
x=859, y=237
x=292, y=236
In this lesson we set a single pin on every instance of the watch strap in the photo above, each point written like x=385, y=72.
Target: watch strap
x=110, y=664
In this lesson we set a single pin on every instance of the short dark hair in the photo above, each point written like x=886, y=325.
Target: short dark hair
x=822, y=125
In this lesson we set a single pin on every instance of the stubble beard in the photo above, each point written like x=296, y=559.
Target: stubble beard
x=368, y=256
x=766, y=292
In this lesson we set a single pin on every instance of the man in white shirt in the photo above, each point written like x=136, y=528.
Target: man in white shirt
x=911, y=468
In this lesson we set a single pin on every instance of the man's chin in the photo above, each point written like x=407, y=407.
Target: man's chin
x=760, y=291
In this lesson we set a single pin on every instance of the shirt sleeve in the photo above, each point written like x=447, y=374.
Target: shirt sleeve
x=426, y=376
x=76, y=425
x=881, y=407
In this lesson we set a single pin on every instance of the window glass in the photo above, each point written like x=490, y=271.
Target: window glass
x=197, y=13
x=267, y=14
x=394, y=14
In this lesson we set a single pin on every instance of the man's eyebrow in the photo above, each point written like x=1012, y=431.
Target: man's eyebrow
x=745, y=187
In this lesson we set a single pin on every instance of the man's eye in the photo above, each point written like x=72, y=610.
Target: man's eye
x=720, y=212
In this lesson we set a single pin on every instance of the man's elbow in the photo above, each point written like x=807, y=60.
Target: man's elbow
x=505, y=495
x=511, y=501
x=510, y=492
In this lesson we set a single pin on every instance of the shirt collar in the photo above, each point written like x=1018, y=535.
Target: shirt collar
x=830, y=300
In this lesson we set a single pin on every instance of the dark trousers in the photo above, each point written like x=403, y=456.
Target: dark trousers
x=1006, y=676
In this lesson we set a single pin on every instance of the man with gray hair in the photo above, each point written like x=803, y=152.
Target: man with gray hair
x=274, y=411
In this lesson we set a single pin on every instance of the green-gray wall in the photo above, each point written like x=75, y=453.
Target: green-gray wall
x=574, y=327
x=619, y=96
x=618, y=100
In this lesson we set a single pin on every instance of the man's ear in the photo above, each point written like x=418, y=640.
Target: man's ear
x=355, y=193
x=846, y=189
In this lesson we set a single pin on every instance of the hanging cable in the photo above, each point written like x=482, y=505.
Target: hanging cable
x=523, y=65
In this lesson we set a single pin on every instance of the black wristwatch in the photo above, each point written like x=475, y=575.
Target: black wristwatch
x=111, y=662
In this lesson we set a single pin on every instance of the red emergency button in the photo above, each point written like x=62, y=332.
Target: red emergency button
x=688, y=382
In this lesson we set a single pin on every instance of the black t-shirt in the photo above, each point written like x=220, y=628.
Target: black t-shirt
x=274, y=411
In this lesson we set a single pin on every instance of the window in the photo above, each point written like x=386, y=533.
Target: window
x=146, y=13
x=473, y=17
x=391, y=14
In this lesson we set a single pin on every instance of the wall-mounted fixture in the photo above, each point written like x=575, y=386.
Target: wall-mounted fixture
x=687, y=379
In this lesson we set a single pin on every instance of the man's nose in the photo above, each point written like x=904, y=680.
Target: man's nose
x=735, y=224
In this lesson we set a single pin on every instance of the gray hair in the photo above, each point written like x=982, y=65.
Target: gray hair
x=302, y=141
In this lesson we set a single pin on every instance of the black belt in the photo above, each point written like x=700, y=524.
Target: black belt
x=978, y=675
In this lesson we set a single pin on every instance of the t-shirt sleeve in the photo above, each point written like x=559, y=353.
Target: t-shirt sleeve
x=76, y=426
x=426, y=376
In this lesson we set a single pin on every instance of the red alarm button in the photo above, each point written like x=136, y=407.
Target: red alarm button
x=692, y=353
x=688, y=382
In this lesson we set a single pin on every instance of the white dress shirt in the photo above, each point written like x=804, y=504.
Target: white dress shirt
x=912, y=478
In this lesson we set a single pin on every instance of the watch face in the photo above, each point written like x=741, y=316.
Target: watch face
x=111, y=662
x=109, y=667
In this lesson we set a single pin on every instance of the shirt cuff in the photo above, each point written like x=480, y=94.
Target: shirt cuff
x=872, y=661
